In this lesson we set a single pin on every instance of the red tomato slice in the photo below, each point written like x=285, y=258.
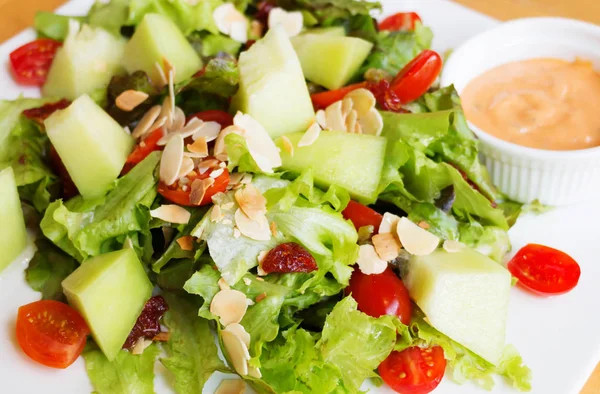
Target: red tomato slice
x=544, y=270
x=401, y=21
x=380, y=294
x=214, y=115
x=31, y=62
x=325, y=99
x=417, y=76
x=362, y=216
x=143, y=149
x=177, y=195
x=51, y=333
x=414, y=370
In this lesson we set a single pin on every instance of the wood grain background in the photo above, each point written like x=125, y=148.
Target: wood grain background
x=15, y=15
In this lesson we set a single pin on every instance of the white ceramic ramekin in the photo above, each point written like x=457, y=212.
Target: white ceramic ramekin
x=525, y=174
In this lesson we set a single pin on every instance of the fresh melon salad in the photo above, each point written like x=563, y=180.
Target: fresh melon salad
x=283, y=183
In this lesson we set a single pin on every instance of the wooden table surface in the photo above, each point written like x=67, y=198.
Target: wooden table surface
x=15, y=15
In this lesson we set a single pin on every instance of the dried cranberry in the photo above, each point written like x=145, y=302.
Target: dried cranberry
x=289, y=257
x=68, y=187
x=40, y=114
x=385, y=97
x=147, y=324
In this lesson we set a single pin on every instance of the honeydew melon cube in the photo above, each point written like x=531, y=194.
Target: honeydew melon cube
x=272, y=87
x=330, y=60
x=110, y=292
x=158, y=38
x=465, y=296
x=91, y=144
x=13, y=236
x=86, y=62
x=337, y=31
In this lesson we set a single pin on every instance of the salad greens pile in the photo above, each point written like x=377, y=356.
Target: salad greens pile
x=307, y=335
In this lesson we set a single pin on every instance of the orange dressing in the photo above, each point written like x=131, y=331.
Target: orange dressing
x=548, y=104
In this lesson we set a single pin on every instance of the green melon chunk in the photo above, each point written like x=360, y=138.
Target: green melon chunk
x=272, y=87
x=465, y=296
x=109, y=291
x=86, y=62
x=90, y=143
x=157, y=38
x=352, y=161
x=13, y=236
x=329, y=60
x=336, y=31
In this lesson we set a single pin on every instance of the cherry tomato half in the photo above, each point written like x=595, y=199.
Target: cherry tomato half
x=544, y=270
x=417, y=76
x=31, y=62
x=323, y=100
x=380, y=294
x=143, y=149
x=362, y=216
x=51, y=333
x=176, y=193
x=404, y=21
x=214, y=115
x=414, y=370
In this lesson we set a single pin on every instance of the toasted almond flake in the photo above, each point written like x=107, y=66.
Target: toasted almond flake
x=220, y=148
x=208, y=182
x=371, y=122
x=335, y=118
x=292, y=22
x=239, y=31
x=130, y=99
x=254, y=372
x=311, y=135
x=162, y=78
x=227, y=222
x=197, y=192
x=168, y=66
x=386, y=245
x=215, y=214
x=389, y=223
x=225, y=15
x=231, y=386
x=167, y=112
x=209, y=130
x=261, y=256
x=369, y=261
x=273, y=228
x=223, y=164
x=239, y=330
x=147, y=120
x=186, y=242
x=162, y=337
x=229, y=305
x=414, y=239
x=228, y=205
x=237, y=351
x=321, y=119
x=452, y=246
x=199, y=146
x=187, y=166
x=178, y=120
x=287, y=145
x=236, y=233
x=191, y=127
x=251, y=201
x=351, y=120
x=260, y=145
x=141, y=345
x=171, y=213
x=247, y=281
x=247, y=178
x=172, y=160
x=363, y=100
x=216, y=173
x=261, y=297
x=260, y=279
x=346, y=107
x=223, y=285
x=423, y=224
x=256, y=29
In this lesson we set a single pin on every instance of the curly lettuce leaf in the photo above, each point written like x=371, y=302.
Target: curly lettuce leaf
x=85, y=228
x=47, y=269
x=126, y=374
x=193, y=355
x=55, y=26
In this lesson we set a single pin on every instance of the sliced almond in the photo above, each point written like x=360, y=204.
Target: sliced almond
x=240, y=331
x=178, y=120
x=217, y=173
x=311, y=135
x=191, y=127
x=254, y=372
x=197, y=192
x=229, y=305
x=237, y=351
x=200, y=147
x=215, y=214
x=239, y=31
x=335, y=118
x=172, y=159
x=167, y=113
x=386, y=245
x=346, y=107
x=236, y=233
x=273, y=228
x=246, y=179
x=171, y=213
x=369, y=261
x=231, y=386
x=351, y=121
x=141, y=345
x=292, y=22
x=223, y=285
x=414, y=239
x=186, y=242
x=209, y=130
x=287, y=145
x=220, y=148
x=231, y=22
x=260, y=145
x=251, y=201
x=147, y=120
x=389, y=223
x=130, y=99
x=257, y=229
x=187, y=166
x=162, y=78
x=452, y=246
x=162, y=337
x=321, y=119
x=363, y=100
x=171, y=80
x=371, y=122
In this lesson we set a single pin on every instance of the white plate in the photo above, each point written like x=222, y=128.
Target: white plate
x=558, y=337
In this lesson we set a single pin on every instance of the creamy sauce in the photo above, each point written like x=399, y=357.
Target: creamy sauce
x=541, y=103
